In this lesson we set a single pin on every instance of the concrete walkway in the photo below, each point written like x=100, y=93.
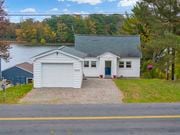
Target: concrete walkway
x=93, y=91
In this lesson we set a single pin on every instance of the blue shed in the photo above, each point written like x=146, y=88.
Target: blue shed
x=19, y=74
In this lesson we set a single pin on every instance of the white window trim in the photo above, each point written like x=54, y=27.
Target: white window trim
x=123, y=64
x=95, y=63
x=128, y=64
x=88, y=64
x=28, y=79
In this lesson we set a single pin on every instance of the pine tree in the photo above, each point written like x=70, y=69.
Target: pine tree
x=158, y=23
x=167, y=13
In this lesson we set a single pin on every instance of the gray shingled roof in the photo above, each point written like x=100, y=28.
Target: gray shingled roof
x=123, y=46
x=69, y=50
x=44, y=53
x=73, y=51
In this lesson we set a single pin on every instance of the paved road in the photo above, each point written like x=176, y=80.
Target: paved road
x=131, y=119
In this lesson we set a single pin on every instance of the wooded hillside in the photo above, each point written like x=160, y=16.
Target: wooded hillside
x=61, y=29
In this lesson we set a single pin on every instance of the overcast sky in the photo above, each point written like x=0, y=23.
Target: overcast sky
x=68, y=6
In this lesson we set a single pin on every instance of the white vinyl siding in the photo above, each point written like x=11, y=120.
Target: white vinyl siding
x=37, y=74
x=131, y=67
x=128, y=64
x=78, y=68
x=91, y=71
x=58, y=58
x=121, y=64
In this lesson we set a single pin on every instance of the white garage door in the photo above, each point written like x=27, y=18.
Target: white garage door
x=57, y=75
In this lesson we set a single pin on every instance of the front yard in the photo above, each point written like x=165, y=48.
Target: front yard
x=14, y=94
x=134, y=91
x=149, y=90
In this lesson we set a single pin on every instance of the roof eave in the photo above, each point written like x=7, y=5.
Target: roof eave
x=108, y=52
x=54, y=51
x=45, y=54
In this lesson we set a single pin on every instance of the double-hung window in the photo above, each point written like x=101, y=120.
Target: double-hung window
x=93, y=64
x=86, y=63
x=128, y=64
x=121, y=64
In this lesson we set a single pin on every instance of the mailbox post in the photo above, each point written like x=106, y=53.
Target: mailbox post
x=3, y=86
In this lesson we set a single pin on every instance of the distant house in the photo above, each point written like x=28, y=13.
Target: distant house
x=92, y=56
x=19, y=74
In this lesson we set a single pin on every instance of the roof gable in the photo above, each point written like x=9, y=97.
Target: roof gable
x=108, y=54
x=122, y=46
x=70, y=51
x=27, y=67
x=74, y=52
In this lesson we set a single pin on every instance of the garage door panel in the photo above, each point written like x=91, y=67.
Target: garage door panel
x=57, y=75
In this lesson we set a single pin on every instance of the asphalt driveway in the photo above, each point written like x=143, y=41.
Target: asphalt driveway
x=93, y=91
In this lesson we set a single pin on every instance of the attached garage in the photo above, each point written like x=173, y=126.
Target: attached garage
x=59, y=68
x=57, y=75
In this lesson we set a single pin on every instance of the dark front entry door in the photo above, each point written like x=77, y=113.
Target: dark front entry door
x=107, y=68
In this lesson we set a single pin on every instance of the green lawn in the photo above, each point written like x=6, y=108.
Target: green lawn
x=13, y=94
x=149, y=90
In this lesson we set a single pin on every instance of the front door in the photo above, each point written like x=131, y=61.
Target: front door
x=107, y=68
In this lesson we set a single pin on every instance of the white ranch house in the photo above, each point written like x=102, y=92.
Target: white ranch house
x=92, y=56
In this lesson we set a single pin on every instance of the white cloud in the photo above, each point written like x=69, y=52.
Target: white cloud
x=121, y=3
x=91, y=2
x=111, y=0
x=17, y=19
x=100, y=12
x=28, y=10
x=81, y=12
x=54, y=9
x=66, y=11
x=126, y=3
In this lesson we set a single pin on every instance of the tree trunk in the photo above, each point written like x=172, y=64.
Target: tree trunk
x=167, y=68
x=173, y=64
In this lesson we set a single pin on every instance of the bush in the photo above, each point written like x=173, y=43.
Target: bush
x=153, y=73
x=43, y=41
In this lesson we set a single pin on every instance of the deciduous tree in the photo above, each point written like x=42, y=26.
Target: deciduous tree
x=4, y=46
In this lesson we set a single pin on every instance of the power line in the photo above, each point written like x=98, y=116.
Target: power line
x=58, y=14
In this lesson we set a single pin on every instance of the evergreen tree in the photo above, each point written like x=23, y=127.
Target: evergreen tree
x=157, y=22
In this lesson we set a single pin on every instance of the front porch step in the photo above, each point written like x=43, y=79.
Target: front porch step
x=107, y=77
